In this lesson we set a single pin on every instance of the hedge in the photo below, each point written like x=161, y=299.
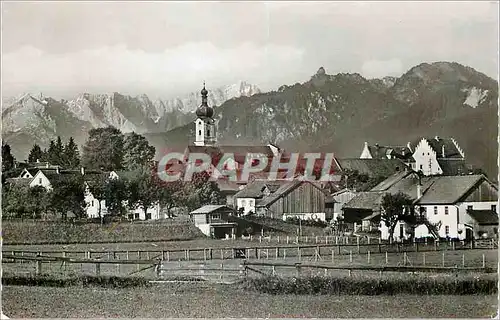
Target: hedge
x=368, y=286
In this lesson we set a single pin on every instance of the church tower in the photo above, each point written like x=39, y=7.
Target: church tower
x=205, y=134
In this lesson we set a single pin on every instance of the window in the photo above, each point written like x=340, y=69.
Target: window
x=446, y=210
x=92, y=203
x=137, y=216
x=494, y=208
x=216, y=216
x=199, y=132
x=469, y=208
x=495, y=230
x=421, y=167
x=40, y=181
x=447, y=230
x=435, y=210
x=243, y=203
x=208, y=132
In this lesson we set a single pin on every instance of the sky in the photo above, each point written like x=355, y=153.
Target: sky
x=166, y=49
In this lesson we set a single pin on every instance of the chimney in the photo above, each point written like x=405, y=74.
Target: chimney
x=442, y=151
x=82, y=170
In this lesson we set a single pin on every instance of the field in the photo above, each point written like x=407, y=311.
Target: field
x=213, y=301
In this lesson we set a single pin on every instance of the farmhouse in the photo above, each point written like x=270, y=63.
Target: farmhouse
x=450, y=203
x=302, y=199
x=213, y=221
x=246, y=199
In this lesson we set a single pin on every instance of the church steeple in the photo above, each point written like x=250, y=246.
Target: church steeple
x=204, y=111
x=205, y=124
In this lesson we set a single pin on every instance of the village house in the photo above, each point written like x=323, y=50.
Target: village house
x=296, y=199
x=449, y=203
x=432, y=156
x=340, y=198
x=246, y=199
x=213, y=221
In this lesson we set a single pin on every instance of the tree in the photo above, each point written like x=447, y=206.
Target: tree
x=68, y=194
x=7, y=158
x=396, y=207
x=53, y=155
x=71, y=154
x=170, y=195
x=59, y=149
x=14, y=201
x=104, y=149
x=116, y=195
x=137, y=152
x=143, y=189
x=38, y=200
x=36, y=154
x=361, y=182
x=201, y=191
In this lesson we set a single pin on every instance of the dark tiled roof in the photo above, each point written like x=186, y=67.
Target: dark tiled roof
x=365, y=200
x=450, y=149
x=484, y=216
x=255, y=188
x=282, y=191
x=448, y=189
x=381, y=152
x=392, y=180
x=20, y=181
x=373, y=167
x=453, y=167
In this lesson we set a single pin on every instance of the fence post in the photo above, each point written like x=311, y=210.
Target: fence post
x=88, y=254
x=484, y=262
x=287, y=239
x=204, y=254
x=404, y=258
x=350, y=273
x=424, y=258
x=277, y=252
x=472, y=243
x=274, y=270
x=326, y=272
x=333, y=256
x=222, y=254
x=97, y=269
x=38, y=267
x=284, y=253
x=463, y=260
x=453, y=245
x=278, y=239
x=336, y=240
x=64, y=262
x=368, y=256
x=242, y=267
x=379, y=246
x=297, y=266
x=127, y=256
x=436, y=245
x=260, y=238
x=350, y=256
x=168, y=256
x=443, y=259
x=326, y=240
x=267, y=253
x=357, y=240
x=386, y=258
x=298, y=252
x=306, y=239
x=316, y=239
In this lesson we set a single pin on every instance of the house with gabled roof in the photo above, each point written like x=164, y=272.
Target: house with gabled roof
x=298, y=199
x=213, y=221
x=247, y=197
x=445, y=202
x=438, y=156
x=377, y=151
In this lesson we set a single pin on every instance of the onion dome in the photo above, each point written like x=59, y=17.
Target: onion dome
x=204, y=111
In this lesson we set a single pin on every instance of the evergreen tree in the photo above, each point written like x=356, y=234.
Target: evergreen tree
x=59, y=149
x=52, y=155
x=71, y=154
x=7, y=158
x=36, y=153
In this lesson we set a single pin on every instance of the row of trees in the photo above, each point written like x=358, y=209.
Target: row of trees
x=141, y=189
x=65, y=155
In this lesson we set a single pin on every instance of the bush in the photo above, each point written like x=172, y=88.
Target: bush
x=307, y=223
x=369, y=286
x=52, y=281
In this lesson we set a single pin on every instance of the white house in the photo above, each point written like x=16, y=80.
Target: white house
x=453, y=201
x=436, y=156
x=341, y=197
x=247, y=197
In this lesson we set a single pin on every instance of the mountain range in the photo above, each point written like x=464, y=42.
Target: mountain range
x=34, y=118
x=328, y=113
x=338, y=113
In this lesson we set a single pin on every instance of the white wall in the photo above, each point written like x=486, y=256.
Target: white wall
x=426, y=159
x=40, y=180
x=92, y=206
x=365, y=154
x=248, y=204
x=384, y=231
